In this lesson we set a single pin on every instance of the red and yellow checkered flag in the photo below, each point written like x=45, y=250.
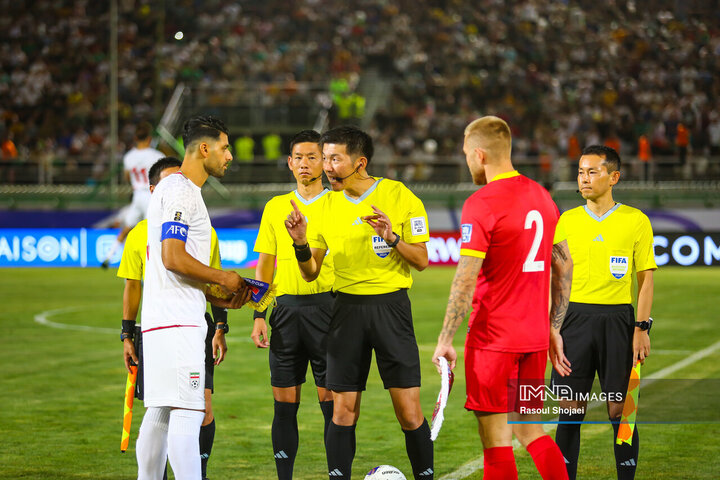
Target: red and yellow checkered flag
x=627, y=422
x=128, y=406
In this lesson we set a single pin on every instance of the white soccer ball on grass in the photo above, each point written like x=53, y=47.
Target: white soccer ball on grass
x=385, y=472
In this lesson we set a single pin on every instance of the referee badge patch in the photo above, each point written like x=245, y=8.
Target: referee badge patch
x=195, y=380
x=418, y=226
x=380, y=248
x=466, y=229
x=618, y=266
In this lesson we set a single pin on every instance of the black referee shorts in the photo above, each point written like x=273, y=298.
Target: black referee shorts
x=363, y=323
x=598, y=338
x=209, y=361
x=300, y=326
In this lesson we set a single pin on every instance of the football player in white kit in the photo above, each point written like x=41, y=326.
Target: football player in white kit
x=174, y=303
x=136, y=163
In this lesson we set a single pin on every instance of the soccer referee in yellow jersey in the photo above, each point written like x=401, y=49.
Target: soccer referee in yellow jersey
x=301, y=319
x=601, y=333
x=132, y=269
x=376, y=230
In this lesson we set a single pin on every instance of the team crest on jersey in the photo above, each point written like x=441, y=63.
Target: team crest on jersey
x=178, y=216
x=466, y=229
x=195, y=380
x=380, y=248
x=418, y=226
x=619, y=266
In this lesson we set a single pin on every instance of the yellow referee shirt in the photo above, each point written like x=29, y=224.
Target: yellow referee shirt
x=605, y=251
x=364, y=263
x=132, y=264
x=273, y=239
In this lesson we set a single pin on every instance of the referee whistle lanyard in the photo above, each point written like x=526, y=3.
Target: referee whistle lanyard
x=627, y=421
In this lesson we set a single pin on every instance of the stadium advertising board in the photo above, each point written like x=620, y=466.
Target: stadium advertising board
x=80, y=247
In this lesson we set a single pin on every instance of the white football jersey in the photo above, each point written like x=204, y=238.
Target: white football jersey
x=176, y=210
x=137, y=163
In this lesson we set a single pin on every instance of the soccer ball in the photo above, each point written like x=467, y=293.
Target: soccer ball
x=385, y=472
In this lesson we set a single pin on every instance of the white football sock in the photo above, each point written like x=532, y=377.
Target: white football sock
x=183, y=444
x=151, y=446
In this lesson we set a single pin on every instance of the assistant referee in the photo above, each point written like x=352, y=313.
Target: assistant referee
x=301, y=319
x=376, y=229
x=607, y=241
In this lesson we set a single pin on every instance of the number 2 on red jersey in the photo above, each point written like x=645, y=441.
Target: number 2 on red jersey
x=531, y=264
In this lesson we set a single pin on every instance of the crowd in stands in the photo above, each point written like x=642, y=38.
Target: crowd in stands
x=563, y=73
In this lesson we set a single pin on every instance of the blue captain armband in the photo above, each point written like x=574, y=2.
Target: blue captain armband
x=175, y=230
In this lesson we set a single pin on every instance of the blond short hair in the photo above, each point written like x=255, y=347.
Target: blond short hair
x=492, y=134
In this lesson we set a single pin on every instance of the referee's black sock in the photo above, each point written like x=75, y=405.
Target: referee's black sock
x=285, y=438
x=340, y=448
x=626, y=456
x=567, y=437
x=207, y=437
x=327, y=411
x=420, y=451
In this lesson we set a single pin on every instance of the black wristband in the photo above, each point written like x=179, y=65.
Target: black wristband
x=302, y=252
x=394, y=243
x=262, y=314
x=128, y=326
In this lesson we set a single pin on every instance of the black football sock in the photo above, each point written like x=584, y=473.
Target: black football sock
x=340, y=448
x=207, y=437
x=420, y=451
x=567, y=438
x=327, y=411
x=285, y=438
x=626, y=456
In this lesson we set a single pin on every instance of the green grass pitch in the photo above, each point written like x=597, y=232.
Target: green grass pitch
x=62, y=389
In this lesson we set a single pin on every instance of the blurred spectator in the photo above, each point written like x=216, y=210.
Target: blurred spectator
x=645, y=155
x=571, y=69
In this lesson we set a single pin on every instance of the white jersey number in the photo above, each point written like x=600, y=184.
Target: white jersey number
x=532, y=265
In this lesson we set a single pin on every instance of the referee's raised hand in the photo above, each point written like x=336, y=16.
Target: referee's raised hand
x=296, y=225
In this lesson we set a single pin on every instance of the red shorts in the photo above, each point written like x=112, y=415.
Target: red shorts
x=493, y=378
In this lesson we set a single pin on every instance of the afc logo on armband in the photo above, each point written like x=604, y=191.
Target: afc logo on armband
x=175, y=230
x=466, y=229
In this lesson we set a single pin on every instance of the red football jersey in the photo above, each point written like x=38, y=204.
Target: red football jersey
x=510, y=223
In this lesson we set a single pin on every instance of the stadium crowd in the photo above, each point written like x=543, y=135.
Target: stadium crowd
x=565, y=74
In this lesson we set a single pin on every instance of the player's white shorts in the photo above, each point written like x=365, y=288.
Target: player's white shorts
x=138, y=208
x=175, y=367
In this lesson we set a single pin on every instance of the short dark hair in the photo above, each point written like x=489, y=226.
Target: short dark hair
x=609, y=155
x=355, y=140
x=306, y=136
x=143, y=130
x=158, y=167
x=201, y=126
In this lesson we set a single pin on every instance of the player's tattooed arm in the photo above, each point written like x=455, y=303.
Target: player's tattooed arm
x=562, y=271
x=461, y=294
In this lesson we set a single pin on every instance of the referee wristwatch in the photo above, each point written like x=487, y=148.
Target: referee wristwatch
x=126, y=335
x=645, y=326
x=222, y=326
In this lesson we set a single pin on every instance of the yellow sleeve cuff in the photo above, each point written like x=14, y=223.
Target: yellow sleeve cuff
x=472, y=253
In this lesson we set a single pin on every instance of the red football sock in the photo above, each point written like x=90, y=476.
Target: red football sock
x=548, y=458
x=500, y=464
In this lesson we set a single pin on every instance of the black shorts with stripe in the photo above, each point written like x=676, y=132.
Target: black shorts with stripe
x=209, y=361
x=598, y=338
x=300, y=326
x=363, y=323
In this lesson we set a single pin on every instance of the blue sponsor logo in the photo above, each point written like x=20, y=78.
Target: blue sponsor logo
x=466, y=232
